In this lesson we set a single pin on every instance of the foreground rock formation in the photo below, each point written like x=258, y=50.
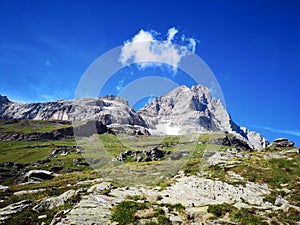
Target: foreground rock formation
x=186, y=200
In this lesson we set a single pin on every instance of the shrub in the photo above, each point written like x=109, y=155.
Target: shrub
x=220, y=210
x=158, y=211
x=163, y=220
x=179, y=207
x=124, y=212
x=248, y=217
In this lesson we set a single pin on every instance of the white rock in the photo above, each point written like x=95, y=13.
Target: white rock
x=41, y=217
x=14, y=208
x=19, y=193
x=3, y=188
x=52, y=202
x=98, y=188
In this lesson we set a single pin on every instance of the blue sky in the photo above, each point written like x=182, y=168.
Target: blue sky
x=253, y=48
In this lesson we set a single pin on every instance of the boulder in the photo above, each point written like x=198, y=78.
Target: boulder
x=140, y=156
x=223, y=157
x=89, y=128
x=231, y=141
x=80, y=162
x=62, y=150
x=3, y=188
x=53, y=202
x=100, y=188
x=282, y=142
x=156, y=154
x=37, y=176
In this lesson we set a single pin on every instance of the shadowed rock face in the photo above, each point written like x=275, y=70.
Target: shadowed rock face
x=89, y=128
x=182, y=111
x=231, y=141
x=3, y=99
x=37, y=176
x=282, y=142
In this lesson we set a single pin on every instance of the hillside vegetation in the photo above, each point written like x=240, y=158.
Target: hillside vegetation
x=210, y=178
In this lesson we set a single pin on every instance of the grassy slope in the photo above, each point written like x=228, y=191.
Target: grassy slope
x=277, y=173
x=32, y=126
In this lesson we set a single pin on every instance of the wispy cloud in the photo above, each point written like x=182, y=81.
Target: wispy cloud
x=171, y=33
x=146, y=50
x=288, y=132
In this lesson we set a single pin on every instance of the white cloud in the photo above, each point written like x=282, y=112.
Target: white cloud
x=143, y=36
x=171, y=33
x=145, y=50
x=192, y=44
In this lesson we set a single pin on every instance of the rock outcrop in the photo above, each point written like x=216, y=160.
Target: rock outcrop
x=231, y=141
x=53, y=202
x=3, y=100
x=10, y=210
x=282, y=142
x=37, y=176
x=142, y=156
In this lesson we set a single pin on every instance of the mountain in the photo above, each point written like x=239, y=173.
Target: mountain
x=183, y=110
x=192, y=110
x=112, y=111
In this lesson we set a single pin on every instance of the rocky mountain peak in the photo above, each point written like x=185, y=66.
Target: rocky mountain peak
x=3, y=99
x=192, y=110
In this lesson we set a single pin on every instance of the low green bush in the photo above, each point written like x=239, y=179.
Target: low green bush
x=123, y=213
x=220, y=210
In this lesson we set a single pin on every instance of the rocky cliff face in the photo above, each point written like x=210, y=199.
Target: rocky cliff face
x=109, y=110
x=183, y=110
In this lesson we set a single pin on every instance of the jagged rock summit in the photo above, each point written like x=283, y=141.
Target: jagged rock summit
x=192, y=110
x=185, y=110
x=182, y=111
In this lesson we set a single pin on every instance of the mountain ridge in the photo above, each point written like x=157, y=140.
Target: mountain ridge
x=182, y=110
